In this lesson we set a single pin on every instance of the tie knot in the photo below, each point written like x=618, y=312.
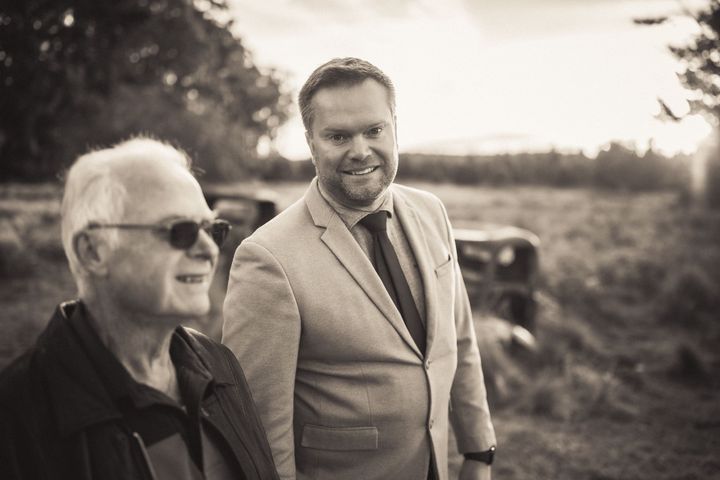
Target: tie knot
x=375, y=222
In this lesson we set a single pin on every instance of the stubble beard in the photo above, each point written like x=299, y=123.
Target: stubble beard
x=356, y=195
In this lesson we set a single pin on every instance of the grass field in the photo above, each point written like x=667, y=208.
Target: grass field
x=625, y=383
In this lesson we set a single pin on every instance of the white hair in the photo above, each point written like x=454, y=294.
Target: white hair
x=94, y=191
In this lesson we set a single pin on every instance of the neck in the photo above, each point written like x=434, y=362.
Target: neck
x=140, y=343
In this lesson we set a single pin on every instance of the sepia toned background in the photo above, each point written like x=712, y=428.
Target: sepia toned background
x=592, y=124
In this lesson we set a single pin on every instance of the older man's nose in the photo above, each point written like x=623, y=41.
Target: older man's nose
x=204, y=247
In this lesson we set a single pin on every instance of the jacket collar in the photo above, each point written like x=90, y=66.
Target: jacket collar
x=320, y=211
x=75, y=387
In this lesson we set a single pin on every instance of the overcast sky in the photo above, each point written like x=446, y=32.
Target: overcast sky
x=491, y=75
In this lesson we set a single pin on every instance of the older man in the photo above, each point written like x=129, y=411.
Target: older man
x=115, y=388
x=348, y=310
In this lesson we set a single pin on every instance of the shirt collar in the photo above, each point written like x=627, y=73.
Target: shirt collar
x=350, y=215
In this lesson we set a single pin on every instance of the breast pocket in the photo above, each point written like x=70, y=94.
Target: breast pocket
x=445, y=338
x=339, y=438
x=444, y=268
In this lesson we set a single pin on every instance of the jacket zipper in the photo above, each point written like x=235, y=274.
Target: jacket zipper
x=231, y=419
x=145, y=455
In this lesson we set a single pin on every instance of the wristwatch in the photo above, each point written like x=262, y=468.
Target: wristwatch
x=486, y=457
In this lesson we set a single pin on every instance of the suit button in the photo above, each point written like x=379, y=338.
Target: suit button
x=427, y=365
x=431, y=423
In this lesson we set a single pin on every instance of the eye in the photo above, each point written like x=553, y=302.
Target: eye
x=375, y=131
x=336, y=138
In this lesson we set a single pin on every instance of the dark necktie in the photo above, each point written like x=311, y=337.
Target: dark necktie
x=387, y=266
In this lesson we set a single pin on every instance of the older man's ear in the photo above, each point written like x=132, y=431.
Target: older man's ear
x=92, y=252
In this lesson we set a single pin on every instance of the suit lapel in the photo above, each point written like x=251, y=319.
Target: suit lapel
x=418, y=243
x=343, y=245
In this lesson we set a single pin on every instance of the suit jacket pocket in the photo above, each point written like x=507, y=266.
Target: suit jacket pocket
x=339, y=438
x=444, y=267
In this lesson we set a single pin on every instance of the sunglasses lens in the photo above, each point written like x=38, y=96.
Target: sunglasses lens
x=184, y=234
x=219, y=230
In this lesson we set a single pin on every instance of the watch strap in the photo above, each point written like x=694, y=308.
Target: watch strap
x=486, y=457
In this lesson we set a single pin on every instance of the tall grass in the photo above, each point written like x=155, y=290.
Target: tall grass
x=628, y=328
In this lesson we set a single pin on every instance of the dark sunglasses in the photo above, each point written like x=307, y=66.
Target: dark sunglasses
x=181, y=234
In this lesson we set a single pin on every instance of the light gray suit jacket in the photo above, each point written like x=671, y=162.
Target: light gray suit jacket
x=342, y=389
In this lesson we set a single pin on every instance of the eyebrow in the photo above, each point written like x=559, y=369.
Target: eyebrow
x=334, y=130
x=327, y=130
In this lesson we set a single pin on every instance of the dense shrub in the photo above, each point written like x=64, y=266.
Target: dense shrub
x=689, y=296
x=634, y=274
x=15, y=260
x=688, y=365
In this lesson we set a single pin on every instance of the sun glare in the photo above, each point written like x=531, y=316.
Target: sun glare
x=575, y=75
x=684, y=136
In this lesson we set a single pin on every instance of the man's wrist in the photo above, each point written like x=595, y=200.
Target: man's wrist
x=486, y=457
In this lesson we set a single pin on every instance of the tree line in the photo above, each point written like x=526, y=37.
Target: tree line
x=616, y=167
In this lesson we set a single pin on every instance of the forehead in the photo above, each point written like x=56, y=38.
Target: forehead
x=366, y=102
x=161, y=189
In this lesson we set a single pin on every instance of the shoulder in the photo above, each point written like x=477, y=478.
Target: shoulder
x=290, y=222
x=428, y=207
x=290, y=234
x=23, y=383
x=416, y=197
x=24, y=403
x=14, y=378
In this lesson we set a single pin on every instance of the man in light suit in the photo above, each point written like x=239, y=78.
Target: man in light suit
x=348, y=310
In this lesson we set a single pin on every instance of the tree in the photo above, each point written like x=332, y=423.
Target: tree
x=700, y=59
x=82, y=73
x=700, y=75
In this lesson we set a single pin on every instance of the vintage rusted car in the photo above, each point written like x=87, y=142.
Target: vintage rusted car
x=500, y=267
x=499, y=263
x=245, y=208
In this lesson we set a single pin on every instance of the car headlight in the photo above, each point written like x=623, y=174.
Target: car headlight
x=506, y=256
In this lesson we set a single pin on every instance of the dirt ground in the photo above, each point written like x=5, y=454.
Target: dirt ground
x=625, y=383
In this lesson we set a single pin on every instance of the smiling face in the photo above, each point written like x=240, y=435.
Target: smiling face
x=147, y=276
x=352, y=141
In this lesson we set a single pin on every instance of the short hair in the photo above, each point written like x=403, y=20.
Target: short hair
x=95, y=193
x=347, y=71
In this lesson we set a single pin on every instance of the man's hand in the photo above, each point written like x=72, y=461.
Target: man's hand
x=474, y=470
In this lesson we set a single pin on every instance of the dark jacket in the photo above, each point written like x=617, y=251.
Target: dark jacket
x=57, y=421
